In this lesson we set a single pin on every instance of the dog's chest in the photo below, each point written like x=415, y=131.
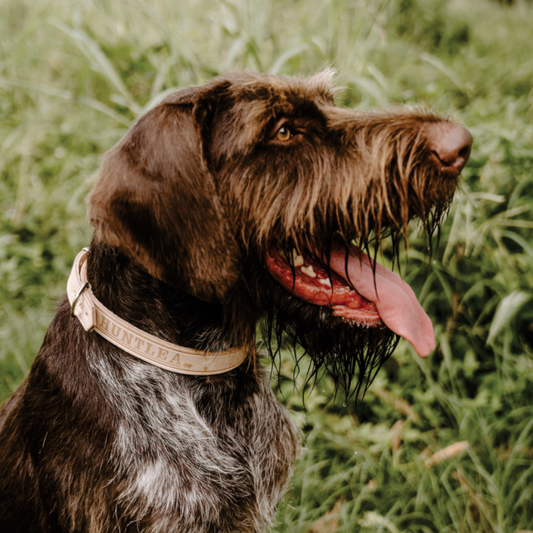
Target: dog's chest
x=191, y=459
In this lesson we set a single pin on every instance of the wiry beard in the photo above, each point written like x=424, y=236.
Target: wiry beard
x=349, y=353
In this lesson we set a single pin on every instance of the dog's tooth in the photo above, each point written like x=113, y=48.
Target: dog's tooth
x=297, y=260
x=308, y=271
x=282, y=254
x=325, y=281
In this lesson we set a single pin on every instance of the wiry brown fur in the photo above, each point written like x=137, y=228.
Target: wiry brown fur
x=184, y=208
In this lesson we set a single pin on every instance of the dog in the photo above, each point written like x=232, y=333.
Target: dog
x=248, y=200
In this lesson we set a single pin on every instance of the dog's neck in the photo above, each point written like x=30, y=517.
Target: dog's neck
x=153, y=306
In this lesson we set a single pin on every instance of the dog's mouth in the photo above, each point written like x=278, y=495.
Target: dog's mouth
x=355, y=289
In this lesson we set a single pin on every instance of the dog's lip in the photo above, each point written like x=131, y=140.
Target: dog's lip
x=314, y=285
x=361, y=292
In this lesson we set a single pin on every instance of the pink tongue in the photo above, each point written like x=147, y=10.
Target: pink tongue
x=395, y=300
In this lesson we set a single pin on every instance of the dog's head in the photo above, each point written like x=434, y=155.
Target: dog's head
x=251, y=190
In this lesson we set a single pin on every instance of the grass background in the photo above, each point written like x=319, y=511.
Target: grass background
x=443, y=444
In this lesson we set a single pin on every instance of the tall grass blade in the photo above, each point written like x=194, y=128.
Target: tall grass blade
x=505, y=313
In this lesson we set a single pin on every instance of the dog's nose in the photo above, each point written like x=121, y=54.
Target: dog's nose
x=449, y=144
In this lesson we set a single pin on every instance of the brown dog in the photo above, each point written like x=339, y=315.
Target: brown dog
x=228, y=204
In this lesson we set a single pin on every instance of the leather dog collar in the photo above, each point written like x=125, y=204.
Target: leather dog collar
x=96, y=317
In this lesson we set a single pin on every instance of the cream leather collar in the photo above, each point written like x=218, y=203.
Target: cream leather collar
x=94, y=316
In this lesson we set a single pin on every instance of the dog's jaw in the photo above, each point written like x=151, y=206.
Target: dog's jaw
x=356, y=289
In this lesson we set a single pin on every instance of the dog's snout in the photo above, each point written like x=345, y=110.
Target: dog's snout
x=449, y=144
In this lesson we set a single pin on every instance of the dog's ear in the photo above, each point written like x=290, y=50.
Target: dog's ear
x=156, y=199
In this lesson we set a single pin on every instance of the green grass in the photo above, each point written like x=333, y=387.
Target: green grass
x=74, y=75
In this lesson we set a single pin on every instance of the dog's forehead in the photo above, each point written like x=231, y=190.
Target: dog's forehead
x=251, y=87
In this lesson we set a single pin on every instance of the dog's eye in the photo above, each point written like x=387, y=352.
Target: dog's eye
x=283, y=134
